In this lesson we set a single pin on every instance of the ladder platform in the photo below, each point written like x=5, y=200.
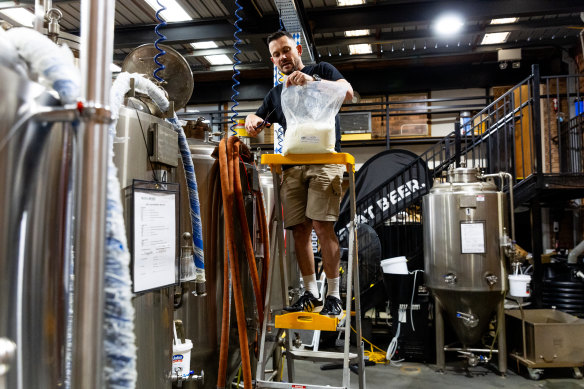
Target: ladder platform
x=291, y=385
x=320, y=356
x=307, y=321
x=277, y=160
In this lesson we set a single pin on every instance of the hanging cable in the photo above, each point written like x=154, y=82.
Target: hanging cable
x=161, y=38
x=236, y=62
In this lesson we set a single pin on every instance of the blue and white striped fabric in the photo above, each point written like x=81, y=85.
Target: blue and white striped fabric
x=187, y=159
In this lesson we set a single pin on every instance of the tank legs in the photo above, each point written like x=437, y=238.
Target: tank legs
x=502, y=338
x=440, y=357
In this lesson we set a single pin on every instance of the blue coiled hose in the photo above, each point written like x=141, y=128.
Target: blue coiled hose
x=236, y=72
x=161, y=38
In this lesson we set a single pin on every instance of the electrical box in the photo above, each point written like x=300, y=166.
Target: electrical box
x=164, y=145
x=509, y=55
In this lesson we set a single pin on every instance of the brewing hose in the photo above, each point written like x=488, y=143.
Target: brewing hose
x=249, y=253
x=225, y=163
x=213, y=218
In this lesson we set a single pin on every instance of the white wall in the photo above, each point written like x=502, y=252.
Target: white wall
x=443, y=124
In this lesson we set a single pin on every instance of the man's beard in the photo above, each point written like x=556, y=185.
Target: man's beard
x=292, y=69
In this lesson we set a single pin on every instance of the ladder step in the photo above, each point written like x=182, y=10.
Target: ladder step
x=320, y=356
x=291, y=385
x=306, y=321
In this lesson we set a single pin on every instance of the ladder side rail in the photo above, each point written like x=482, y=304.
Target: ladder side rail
x=356, y=288
x=261, y=368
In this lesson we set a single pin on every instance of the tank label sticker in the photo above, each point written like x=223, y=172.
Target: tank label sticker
x=480, y=197
x=472, y=238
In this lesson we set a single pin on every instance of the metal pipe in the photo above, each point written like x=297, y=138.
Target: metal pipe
x=97, y=18
x=40, y=10
x=502, y=176
x=471, y=350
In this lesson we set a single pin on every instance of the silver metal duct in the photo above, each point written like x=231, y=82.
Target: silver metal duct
x=290, y=18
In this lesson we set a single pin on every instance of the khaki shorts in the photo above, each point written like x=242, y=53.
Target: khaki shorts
x=311, y=191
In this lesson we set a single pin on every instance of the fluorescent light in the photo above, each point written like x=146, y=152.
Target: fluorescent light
x=504, y=20
x=173, y=13
x=363, y=48
x=448, y=24
x=343, y=3
x=204, y=45
x=357, y=32
x=494, y=38
x=219, y=59
x=21, y=16
x=115, y=68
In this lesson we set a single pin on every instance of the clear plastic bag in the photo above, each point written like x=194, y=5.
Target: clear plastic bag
x=310, y=116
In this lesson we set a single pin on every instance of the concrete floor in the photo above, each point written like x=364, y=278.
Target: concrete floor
x=417, y=375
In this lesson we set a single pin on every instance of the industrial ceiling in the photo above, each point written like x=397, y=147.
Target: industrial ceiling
x=400, y=35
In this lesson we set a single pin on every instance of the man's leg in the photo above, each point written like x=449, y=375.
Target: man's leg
x=303, y=245
x=329, y=247
x=310, y=300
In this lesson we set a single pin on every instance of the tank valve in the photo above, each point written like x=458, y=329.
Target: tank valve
x=468, y=319
x=450, y=278
x=491, y=279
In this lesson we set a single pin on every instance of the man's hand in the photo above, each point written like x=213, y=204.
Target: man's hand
x=298, y=78
x=252, y=124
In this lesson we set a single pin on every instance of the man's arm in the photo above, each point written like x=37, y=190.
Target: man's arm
x=252, y=124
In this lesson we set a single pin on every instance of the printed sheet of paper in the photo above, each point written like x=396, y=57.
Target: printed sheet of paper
x=154, y=240
x=472, y=238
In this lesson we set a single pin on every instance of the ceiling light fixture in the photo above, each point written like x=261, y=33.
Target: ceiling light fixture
x=504, y=20
x=357, y=32
x=448, y=24
x=20, y=16
x=363, y=48
x=495, y=37
x=173, y=13
x=343, y=3
x=219, y=59
x=204, y=45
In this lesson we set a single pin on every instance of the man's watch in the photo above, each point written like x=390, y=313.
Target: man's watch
x=316, y=77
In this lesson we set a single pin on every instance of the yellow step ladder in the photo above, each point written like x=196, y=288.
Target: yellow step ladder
x=304, y=320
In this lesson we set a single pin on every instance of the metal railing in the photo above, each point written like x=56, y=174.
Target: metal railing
x=506, y=135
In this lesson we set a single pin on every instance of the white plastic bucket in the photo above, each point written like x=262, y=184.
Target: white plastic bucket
x=181, y=358
x=395, y=265
x=519, y=285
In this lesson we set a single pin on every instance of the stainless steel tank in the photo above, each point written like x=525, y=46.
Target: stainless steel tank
x=36, y=230
x=154, y=309
x=464, y=222
x=201, y=315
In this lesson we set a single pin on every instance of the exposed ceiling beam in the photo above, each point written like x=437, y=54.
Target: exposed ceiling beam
x=192, y=31
x=251, y=15
x=451, y=50
x=425, y=34
x=371, y=16
x=201, y=53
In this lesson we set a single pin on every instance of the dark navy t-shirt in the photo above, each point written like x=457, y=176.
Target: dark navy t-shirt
x=273, y=99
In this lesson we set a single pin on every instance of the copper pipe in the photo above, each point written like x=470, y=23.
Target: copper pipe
x=251, y=261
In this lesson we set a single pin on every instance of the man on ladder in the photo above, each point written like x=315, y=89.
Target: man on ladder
x=311, y=194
